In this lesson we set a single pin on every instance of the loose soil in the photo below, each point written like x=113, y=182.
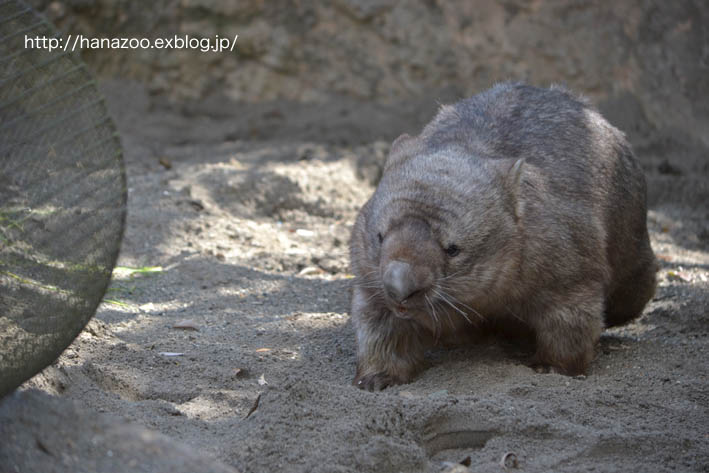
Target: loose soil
x=251, y=236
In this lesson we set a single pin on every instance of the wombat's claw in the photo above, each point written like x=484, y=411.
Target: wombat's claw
x=375, y=382
x=543, y=368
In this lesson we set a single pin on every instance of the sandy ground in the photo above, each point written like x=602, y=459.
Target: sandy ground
x=252, y=235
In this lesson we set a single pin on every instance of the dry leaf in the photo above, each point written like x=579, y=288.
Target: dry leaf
x=678, y=276
x=186, y=324
x=197, y=205
x=509, y=460
x=310, y=270
x=240, y=373
x=262, y=350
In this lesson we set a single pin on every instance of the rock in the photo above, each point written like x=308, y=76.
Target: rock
x=46, y=433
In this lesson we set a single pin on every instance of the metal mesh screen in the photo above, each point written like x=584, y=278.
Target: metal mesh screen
x=62, y=197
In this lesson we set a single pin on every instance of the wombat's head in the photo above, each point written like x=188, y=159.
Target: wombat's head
x=438, y=234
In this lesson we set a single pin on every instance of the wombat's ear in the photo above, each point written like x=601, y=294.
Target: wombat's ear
x=400, y=141
x=399, y=150
x=513, y=183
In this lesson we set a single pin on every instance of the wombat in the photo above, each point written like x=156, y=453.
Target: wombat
x=520, y=205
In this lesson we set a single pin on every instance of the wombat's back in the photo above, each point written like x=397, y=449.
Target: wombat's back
x=547, y=127
x=591, y=181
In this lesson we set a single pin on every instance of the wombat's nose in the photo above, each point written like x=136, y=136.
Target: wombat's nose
x=400, y=281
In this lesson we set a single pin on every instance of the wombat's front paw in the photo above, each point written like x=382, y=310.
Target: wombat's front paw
x=376, y=381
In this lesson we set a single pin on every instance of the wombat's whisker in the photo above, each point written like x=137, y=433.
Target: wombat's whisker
x=451, y=275
x=443, y=297
x=458, y=301
x=368, y=285
x=448, y=316
x=466, y=281
x=434, y=317
x=370, y=279
x=476, y=313
x=515, y=315
x=374, y=294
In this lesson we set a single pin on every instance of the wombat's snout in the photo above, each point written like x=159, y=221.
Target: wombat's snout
x=402, y=281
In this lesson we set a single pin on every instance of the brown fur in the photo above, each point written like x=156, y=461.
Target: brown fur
x=519, y=204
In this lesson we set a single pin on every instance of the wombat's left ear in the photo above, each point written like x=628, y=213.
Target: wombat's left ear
x=399, y=150
x=400, y=141
x=514, y=180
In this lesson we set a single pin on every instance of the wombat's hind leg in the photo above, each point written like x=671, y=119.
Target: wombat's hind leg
x=627, y=301
x=566, y=338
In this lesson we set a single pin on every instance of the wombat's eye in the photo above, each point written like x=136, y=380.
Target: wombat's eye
x=452, y=251
x=380, y=237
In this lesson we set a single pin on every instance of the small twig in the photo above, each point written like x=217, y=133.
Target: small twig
x=254, y=407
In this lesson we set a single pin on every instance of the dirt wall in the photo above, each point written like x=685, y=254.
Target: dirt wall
x=645, y=63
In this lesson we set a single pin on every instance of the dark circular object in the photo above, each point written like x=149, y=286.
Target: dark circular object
x=62, y=196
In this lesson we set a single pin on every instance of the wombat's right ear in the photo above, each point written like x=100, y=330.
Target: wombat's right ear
x=513, y=183
x=399, y=150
